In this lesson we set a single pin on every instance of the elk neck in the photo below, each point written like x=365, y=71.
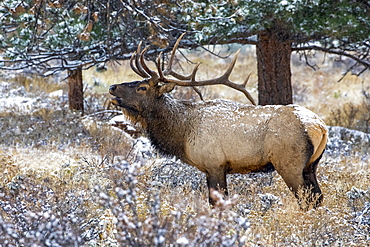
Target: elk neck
x=167, y=125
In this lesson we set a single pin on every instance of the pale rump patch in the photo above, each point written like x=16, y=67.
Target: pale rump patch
x=316, y=130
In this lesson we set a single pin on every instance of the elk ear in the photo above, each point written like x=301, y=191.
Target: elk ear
x=166, y=88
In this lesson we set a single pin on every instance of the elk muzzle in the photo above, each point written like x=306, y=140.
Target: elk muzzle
x=112, y=88
x=115, y=101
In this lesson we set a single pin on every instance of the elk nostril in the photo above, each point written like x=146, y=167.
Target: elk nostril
x=112, y=88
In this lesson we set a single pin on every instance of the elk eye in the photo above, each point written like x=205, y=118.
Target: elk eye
x=141, y=89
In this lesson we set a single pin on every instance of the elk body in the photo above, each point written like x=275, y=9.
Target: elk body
x=221, y=137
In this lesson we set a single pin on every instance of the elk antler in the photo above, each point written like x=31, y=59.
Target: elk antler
x=183, y=80
x=169, y=70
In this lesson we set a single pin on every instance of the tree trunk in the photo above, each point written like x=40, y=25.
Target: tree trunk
x=273, y=64
x=75, y=90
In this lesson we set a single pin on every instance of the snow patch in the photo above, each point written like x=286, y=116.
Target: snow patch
x=182, y=241
x=23, y=104
x=119, y=119
x=56, y=94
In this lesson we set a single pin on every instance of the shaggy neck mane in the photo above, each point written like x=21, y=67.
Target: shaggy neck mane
x=166, y=125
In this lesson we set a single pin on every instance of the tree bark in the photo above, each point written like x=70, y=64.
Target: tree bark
x=273, y=64
x=75, y=90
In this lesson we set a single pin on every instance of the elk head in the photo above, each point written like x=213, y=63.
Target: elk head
x=133, y=97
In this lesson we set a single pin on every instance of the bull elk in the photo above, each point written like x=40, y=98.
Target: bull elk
x=221, y=137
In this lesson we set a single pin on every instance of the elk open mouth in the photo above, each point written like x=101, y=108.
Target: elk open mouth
x=116, y=101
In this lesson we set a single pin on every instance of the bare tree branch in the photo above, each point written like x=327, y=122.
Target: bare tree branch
x=345, y=53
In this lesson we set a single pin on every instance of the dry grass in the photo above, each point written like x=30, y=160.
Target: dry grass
x=64, y=179
x=93, y=190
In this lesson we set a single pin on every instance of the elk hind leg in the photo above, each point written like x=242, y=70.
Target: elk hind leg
x=314, y=195
x=300, y=177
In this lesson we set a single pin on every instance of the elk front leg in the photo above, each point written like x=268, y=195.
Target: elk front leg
x=216, y=181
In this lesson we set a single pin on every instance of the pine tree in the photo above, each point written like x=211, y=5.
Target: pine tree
x=48, y=37
x=52, y=36
x=278, y=28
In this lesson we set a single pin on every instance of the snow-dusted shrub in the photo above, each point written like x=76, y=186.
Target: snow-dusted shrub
x=97, y=203
x=343, y=141
x=141, y=218
x=359, y=201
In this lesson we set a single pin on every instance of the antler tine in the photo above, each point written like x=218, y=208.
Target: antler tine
x=246, y=80
x=231, y=66
x=195, y=70
x=168, y=70
x=152, y=73
x=143, y=73
x=241, y=88
x=133, y=66
x=158, y=63
x=190, y=77
x=170, y=62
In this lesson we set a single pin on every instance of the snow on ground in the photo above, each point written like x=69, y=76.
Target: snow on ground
x=169, y=171
x=23, y=102
x=11, y=98
x=343, y=141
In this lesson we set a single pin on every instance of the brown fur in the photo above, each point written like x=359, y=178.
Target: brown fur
x=221, y=137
